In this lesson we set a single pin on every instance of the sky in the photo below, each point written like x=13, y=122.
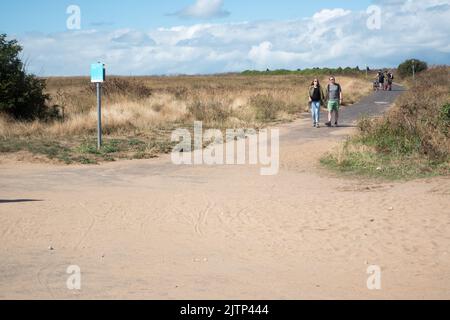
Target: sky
x=144, y=37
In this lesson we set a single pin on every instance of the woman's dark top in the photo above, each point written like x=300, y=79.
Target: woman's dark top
x=316, y=94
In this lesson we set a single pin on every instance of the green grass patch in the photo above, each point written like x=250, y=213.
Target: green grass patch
x=357, y=159
x=51, y=149
x=84, y=150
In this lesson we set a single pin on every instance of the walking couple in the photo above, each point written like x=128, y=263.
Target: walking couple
x=333, y=98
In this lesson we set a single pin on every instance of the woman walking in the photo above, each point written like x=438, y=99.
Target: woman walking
x=316, y=99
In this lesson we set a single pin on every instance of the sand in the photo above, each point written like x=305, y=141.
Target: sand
x=151, y=230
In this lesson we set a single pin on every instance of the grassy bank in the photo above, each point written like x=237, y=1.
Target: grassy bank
x=411, y=141
x=140, y=113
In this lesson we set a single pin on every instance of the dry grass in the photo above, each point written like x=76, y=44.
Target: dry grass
x=149, y=107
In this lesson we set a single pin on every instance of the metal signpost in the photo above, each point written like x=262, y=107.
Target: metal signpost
x=98, y=75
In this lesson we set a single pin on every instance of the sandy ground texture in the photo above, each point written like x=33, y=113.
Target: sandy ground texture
x=152, y=230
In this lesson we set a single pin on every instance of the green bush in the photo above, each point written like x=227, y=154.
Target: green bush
x=406, y=68
x=21, y=95
x=445, y=119
x=390, y=138
x=445, y=112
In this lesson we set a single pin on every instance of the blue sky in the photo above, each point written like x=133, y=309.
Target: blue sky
x=142, y=37
x=49, y=16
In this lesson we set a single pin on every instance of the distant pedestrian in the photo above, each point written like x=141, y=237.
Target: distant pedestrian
x=316, y=99
x=386, y=81
x=334, y=97
x=390, y=80
x=381, y=79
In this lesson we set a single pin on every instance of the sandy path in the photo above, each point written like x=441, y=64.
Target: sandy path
x=149, y=229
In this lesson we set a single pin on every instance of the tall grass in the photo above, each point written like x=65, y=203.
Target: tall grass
x=150, y=107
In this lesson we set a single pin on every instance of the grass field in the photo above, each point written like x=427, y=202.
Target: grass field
x=140, y=113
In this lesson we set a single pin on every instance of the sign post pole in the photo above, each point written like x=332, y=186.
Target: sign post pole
x=99, y=112
x=98, y=75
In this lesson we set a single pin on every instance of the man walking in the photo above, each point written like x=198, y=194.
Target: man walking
x=334, y=98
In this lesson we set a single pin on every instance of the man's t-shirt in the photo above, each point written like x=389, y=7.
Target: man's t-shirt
x=334, y=92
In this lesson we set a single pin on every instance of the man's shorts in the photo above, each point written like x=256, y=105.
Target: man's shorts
x=333, y=105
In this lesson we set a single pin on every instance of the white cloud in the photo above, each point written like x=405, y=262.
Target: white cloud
x=133, y=38
x=204, y=9
x=327, y=15
x=329, y=38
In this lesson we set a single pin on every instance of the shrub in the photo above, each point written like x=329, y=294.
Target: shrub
x=406, y=68
x=390, y=138
x=266, y=107
x=21, y=95
x=209, y=112
x=445, y=119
